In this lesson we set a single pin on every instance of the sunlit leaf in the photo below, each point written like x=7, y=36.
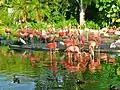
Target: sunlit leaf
x=101, y=8
x=108, y=15
x=118, y=20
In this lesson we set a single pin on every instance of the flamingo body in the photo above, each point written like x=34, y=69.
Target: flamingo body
x=51, y=45
x=73, y=49
x=69, y=43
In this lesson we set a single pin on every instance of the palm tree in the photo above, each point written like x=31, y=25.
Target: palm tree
x=80, y=6
x=38, y=9
x=20, y=9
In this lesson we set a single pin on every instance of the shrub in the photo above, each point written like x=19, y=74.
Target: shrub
x=92, y=25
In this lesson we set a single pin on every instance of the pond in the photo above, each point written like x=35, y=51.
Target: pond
x=6, y=83
x=33, y=69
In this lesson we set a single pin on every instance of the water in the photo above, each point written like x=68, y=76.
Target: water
x=6, y=83
x=39, y=76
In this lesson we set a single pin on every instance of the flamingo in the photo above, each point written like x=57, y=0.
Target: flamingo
x=43, y=36
x=68, y=43
x=61, y=34
x=65, y=63
x=104, y=57
x=112, y=60
x=110, y=31
x=38, y=34
x=17, y=35
x=52, y=46
x=53, y=67
x=81, y=40
x=74, y=68
x=97, y=64
x=73, y=49
x=7, y=31
x=83, y=60
x=92, y=45
x=31, y=36
x=91, y=66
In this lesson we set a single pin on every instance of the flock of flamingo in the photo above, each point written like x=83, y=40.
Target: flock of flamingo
x=75, y=59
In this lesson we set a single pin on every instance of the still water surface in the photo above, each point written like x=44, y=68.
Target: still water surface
x=38, y=76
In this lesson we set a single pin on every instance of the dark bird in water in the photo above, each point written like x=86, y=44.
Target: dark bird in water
x=80, y=82
x=16, y=80
x=112, y=87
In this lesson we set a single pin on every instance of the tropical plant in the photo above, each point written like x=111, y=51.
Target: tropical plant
x=109, y=10
x=92, y=25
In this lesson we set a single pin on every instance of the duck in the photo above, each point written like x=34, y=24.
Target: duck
x=80, y=82
x=16, y=79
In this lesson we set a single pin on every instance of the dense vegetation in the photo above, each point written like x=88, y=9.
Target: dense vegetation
x=40, y=13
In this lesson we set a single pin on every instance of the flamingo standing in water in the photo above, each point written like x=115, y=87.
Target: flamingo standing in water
x=74, y=68
x=104, y=57
x=72, y=50
x=68, y=43
x=81, y=40
x=52, y=46
x=92, y=45
x=69, y=63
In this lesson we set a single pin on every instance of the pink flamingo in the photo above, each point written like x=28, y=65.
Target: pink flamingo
x=74, y=68
x=8, y=32
x=61, y=33
x=68, y=43
x=73, y=49
x=51, y=47
x=53, y=67
x=97, y=64
x=92, y=45
x=81, y=40
x=104, y=57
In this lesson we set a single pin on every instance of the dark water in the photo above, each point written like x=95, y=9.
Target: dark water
x=37, y=75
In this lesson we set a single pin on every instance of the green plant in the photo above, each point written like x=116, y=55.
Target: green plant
x=109, y=10
x=92, y=25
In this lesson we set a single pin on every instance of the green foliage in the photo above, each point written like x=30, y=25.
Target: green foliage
x=92, y=25
x=103, y=78
x=109, y=10
x=57, y=12
x=66, y=23
x=41, y=25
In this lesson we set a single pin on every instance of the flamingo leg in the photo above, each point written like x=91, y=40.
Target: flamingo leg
x=51, y=56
